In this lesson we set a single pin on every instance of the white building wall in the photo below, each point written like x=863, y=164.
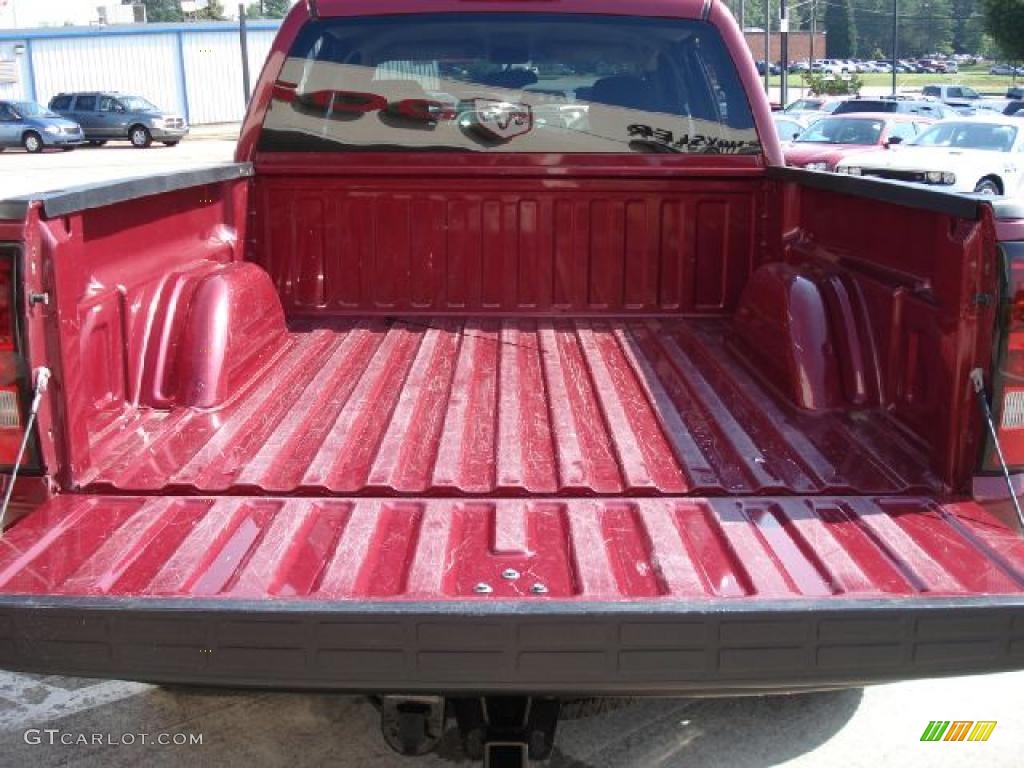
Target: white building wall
x=8, y=53
x=163, y=66
x=140, y=64
x=213, y=71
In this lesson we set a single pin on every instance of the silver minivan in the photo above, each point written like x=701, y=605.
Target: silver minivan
x=111, y=116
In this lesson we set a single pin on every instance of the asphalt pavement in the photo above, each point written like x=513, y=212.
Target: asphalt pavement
x=53, y=721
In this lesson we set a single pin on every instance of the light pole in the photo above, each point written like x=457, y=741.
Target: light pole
x=895, y=41
x=814, y=30
x=767, y=47
x=784, y=50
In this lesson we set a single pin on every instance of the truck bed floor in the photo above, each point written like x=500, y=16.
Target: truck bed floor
x=507, y=408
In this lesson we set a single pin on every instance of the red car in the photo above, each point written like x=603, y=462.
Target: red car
x=822, y=146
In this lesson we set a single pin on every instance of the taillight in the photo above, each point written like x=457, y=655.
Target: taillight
x=13, y=369
x=1008, y=384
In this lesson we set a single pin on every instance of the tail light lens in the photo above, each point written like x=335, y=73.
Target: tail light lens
x=13, y=368
x=1008, y=384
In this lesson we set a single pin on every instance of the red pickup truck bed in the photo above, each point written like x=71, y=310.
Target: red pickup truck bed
x=508, y=408
x=439, y=414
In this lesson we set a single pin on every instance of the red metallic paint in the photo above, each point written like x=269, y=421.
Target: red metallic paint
x=447, y=407
x=580, y=550
x=567, y=366
x=234, y=326
x=783, y=322
x=914, y=329
x=414, y=237
x=115, y=275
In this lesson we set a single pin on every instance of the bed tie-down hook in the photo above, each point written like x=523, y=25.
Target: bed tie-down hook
x=978, y=382
x=41, y=382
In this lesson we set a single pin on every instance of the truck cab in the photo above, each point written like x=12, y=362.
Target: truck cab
x=960, y=97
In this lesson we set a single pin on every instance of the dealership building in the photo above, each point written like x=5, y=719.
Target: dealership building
x=192, y=68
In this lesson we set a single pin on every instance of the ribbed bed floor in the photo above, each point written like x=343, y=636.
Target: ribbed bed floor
x=508, y=408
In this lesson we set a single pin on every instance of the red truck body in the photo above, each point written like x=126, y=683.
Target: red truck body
x=510, y=422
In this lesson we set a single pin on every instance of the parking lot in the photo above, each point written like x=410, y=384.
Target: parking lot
x=881, y=725
x=22, y=173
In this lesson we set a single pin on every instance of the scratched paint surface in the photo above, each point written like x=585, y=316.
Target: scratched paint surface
x=578, y=549
x=513, y=408
x=594, y=459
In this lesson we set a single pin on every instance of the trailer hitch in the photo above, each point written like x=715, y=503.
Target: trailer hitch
x=507, y=731
x=499, y=731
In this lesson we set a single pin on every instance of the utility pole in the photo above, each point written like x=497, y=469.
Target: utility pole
x=243, y=33
x=743, y=16
x=814, y=30
x=784, y=49
x=895, y=41
x=767, y=47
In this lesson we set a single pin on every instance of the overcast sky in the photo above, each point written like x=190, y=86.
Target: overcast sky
x=35, y=13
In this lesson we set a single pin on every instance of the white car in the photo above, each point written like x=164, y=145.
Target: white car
x=979, y=154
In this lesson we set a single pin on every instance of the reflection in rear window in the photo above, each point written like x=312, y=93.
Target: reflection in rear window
x=509, y=83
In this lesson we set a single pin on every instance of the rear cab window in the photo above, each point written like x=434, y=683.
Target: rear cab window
x=865, y=105
x=85, y=104
x=512, y=83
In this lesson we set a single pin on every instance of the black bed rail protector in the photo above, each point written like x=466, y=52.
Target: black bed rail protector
x=608, y=648
x=62, y=202
x=886, y=190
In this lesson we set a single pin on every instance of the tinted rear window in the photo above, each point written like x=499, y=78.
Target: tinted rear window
x=85, y=103
x=866, y=105
x=510, y=83
x=61, y=102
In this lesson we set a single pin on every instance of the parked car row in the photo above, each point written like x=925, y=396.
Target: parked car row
x=96, y=117
x=895, y=139
x=867, y=66
x=824, y=144
x=1006, y=70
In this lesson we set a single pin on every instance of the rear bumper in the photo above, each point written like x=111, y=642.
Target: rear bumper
x=678, y=648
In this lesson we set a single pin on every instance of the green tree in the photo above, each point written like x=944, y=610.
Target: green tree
x=272, y=9
x=842, y=29
x=214, y=11
x=163, y=10
x=926, y=26
x=1004, y=20
x=968, y=26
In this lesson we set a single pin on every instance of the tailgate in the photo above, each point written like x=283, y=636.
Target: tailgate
x=643, y=595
